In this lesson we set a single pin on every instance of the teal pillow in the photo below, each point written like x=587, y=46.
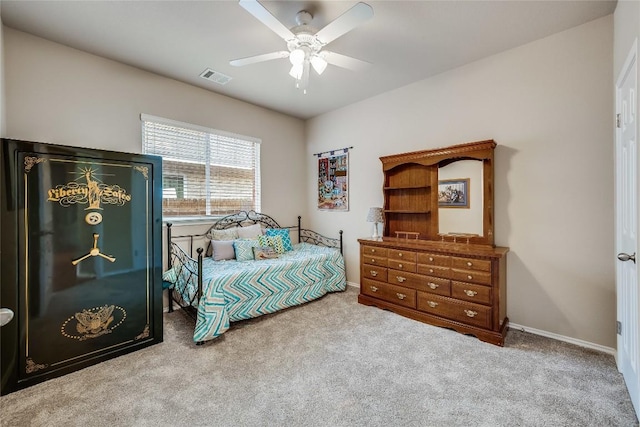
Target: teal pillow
x=244, y=249
x=282, y=232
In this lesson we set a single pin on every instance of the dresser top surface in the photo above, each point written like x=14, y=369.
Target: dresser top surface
x=437, y=246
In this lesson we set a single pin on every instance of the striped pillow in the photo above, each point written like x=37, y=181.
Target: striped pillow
x=244, y=249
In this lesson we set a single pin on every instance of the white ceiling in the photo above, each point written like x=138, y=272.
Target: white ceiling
x=406, y=41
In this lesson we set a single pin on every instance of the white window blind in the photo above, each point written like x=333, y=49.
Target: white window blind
x=206, y=172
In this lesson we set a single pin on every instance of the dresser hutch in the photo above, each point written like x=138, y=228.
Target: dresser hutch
x=454, y=277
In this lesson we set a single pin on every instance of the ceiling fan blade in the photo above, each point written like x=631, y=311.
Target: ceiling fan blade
x=259, y=58
x=346, y=22
x=344, y=61
x=264, y=16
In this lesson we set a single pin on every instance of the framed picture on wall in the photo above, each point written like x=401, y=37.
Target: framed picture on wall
x=453, y=193
x=333, y=182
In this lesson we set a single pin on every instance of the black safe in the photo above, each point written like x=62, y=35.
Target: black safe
x=81, y=258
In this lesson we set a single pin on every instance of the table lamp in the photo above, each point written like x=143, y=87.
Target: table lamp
x=375, y=216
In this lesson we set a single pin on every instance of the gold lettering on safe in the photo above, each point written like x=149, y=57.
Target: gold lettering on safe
x=92, y=192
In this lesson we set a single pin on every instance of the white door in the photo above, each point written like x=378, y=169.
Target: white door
x=628, y=297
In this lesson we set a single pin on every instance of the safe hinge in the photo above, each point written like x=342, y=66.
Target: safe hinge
x=619, y=327
x=618, y=120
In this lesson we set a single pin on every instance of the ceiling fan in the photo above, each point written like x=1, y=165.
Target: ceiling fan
x=305, y=44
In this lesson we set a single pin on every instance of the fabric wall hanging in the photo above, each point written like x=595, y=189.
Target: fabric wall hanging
x=333, y=180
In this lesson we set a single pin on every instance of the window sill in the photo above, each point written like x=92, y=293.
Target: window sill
x=190, y=220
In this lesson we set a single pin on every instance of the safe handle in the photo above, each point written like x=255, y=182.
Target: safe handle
x=6, y=315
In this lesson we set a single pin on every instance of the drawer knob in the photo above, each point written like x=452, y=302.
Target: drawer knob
x=401, y=296
x=469, y=277
x=433, y=285
x=400, y=279
x=430, y=258
x=400, y=254
x=431, y=270
x=469, y=263
x=399, y=265
x=373, y=273
x=373, y=288
x=432, y=304
x=373, y=251
x=470, y=293
x=470, y=313
x=373, y=261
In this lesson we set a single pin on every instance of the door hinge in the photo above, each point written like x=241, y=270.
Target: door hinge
x=619, y=327
x=618, y=120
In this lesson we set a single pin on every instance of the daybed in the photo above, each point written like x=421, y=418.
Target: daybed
x=226, y=283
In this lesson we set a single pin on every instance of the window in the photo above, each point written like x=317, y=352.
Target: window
x=205, y=172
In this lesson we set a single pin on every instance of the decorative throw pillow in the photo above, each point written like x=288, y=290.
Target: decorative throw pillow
x=178, y=275
x=244, y=249
x=264, y=240
x=249, y=232
x=264, y=252
x=274, y=241
x=171, y=275
x=223, y=249
x=282, y=232
x=226, y=234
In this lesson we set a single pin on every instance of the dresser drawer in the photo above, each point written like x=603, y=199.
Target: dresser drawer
x=437, y=285
x=374, y=272
x=373, y=260
x=481, y=277
x=470, y=264
x=470, y=292
x=404, y=278
x=402, y=265
x=372, y=250
x=461, y=311
x=433, y=270
x=391, y=293
x=434, y=259
x=400, y=255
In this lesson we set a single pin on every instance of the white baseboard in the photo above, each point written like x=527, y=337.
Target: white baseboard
x=581, y=343
x=355, y=285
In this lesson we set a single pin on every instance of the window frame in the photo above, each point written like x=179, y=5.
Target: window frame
x=215, y=133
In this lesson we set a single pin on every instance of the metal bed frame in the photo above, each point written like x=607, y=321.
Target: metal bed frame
x=192, y=267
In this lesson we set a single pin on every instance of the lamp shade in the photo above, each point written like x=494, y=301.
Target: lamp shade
x=318, y=63
x=296, y=71
x=297, y=56
x=375, y=215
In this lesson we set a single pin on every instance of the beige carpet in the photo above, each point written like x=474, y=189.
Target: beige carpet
x=334, y=362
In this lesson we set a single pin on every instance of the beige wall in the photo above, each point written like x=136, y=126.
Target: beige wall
x=61, y=95
x=626, y=30
x=549, y=106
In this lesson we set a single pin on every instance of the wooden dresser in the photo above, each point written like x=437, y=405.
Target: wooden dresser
x=422, y=270
x=457, y=286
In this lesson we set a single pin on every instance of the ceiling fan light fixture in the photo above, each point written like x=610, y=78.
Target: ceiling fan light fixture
x=319, y=64
x=296, y=71
x=297, y=56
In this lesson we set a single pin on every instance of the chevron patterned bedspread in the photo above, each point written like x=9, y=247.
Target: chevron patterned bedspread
x=236, y=290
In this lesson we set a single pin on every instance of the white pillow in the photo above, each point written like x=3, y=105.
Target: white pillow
x=249, y=232
x=226, y=234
